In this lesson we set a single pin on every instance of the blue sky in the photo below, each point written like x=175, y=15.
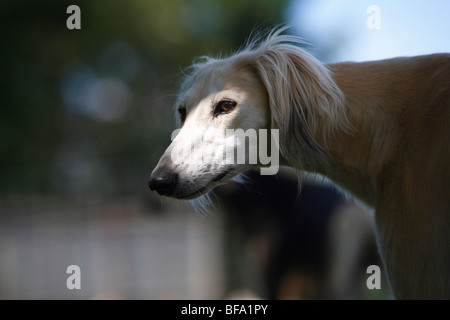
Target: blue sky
x=337, y=29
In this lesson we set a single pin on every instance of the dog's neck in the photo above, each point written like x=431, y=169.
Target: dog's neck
x=356, y=157
x=349, y=165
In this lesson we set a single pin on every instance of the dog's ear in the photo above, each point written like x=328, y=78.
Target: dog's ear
x=303, y=99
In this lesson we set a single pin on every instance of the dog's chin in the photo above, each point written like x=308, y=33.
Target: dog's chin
x=194, y=195
x=217, y=180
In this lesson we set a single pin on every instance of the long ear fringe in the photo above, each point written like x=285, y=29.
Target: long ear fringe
x=305, y=103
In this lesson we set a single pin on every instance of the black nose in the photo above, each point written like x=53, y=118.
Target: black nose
x=164, y=182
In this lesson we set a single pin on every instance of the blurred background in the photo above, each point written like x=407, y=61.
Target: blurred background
x=86, y=114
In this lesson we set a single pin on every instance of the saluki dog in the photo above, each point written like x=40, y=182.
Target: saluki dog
x=380, y=130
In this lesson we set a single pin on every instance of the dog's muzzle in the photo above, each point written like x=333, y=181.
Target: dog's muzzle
x=164, y=182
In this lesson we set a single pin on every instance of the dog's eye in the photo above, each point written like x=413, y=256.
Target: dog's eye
x=224, y=106
x=182, y=112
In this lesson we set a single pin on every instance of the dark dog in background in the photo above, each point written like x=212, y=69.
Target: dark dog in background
x=281, y=244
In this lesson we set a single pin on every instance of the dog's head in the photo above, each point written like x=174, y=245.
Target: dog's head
x=219, y=100
x=268, y=96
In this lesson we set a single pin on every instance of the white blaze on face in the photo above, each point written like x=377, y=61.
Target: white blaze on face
x=211, y=146
x=216, y=148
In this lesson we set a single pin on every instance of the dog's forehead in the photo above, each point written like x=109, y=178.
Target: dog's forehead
x=215, y=76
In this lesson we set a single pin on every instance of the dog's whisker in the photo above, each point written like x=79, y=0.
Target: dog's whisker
x=170, y=95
